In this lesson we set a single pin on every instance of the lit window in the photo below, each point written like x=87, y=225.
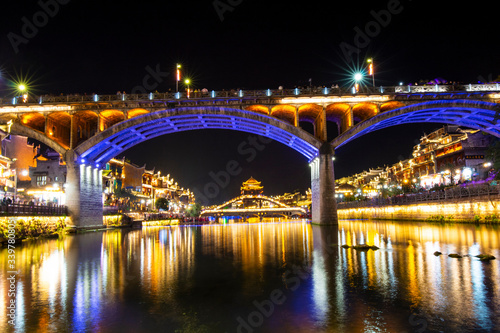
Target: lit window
x=41, y=180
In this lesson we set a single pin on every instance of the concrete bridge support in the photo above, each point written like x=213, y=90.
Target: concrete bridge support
x=83, y=194
x=324, y=205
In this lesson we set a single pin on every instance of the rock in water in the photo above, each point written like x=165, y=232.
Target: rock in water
x=485, y=257
x=437, y=253
x=454, y=255
x=365, y=247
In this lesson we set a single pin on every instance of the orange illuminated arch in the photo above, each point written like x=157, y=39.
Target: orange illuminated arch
x=109, y=118
x=136, y=112
x=284, y=112
x=390, y=106
x=259, y=109
x=84, y=125
x=309, y=112
x=58, y=127
x=364, y=111
x=33, y=120
x=336, y=112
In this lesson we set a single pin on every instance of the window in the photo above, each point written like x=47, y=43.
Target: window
x=41, y=180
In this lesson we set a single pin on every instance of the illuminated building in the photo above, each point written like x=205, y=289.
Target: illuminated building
x=113, y=176
x=48, y=178
x=251, y=186
x=17, y=147
x=448, y=155
x=6, y=173
x=448, y=152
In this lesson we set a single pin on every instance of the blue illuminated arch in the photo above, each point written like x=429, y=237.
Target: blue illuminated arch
x=124, y=135
x=481, y=115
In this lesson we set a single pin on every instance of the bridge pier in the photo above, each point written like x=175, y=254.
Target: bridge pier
x=83, y=194
x=324, y=204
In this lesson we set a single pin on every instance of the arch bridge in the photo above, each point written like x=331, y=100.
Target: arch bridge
x=272, y=209
x=90, y=130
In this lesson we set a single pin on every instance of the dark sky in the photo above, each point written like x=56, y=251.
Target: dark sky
x=106, y=46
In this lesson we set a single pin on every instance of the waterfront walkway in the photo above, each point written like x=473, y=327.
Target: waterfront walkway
x=446, y=194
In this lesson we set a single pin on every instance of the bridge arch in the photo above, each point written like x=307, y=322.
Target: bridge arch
x=285, y=113
x=19, y=129
x=128, y=133
x=136, y=112
x=481, y=115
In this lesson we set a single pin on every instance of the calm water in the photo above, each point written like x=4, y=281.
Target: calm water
x=277, y=277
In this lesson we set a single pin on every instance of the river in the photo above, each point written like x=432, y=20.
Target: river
x=258, y=277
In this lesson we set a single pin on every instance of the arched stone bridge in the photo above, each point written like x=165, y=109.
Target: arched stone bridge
x=90, y=130
x=278, y=209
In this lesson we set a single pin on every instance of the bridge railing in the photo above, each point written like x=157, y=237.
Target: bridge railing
x=449, y=194
x=239, y=93
x=15, y=209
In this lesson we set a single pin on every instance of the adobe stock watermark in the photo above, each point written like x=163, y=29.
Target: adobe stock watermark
x=151, y=80
x=221, y=179
x=11, y=273
x=30, y=27
x=223, y=6
x=364, y=35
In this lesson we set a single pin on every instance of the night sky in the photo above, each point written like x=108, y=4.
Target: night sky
x=104, y=47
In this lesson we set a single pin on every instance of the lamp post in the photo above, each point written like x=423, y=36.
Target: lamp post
x=357, y=78
x=178, y=77
x=187, y=81
x=22, y=90
x=371, y=72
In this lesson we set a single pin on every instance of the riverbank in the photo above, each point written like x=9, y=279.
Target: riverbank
x=481, y=209
x=19, y=228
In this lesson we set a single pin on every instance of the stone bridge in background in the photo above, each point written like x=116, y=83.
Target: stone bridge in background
x=89, y=130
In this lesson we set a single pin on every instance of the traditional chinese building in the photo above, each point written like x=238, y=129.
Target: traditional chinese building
x=252, y=187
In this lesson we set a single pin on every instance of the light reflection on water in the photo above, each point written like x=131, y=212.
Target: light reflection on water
x=267, y=277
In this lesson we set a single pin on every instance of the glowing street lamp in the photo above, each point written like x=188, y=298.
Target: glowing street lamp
x=187, y=82
x=371, y=72
x=22, y=89
x=178, y=78
x=357, y=78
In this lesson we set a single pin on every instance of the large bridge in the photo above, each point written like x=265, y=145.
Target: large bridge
x=91, y=129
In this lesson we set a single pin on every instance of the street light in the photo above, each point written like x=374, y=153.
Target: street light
x=22, y=88
x=371, y=72
x=187, y=81
x=178, y=78
x=357, y=78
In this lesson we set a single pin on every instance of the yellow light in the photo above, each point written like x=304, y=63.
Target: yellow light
x=332, y=99
x=21, y=87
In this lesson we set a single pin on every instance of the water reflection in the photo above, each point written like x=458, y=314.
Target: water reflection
x=224, y=278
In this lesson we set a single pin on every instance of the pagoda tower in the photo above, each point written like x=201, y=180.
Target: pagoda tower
x=251, y=187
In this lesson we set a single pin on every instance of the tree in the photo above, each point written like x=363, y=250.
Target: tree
x=162, y=203
x=193, y=210
x=493, y=155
